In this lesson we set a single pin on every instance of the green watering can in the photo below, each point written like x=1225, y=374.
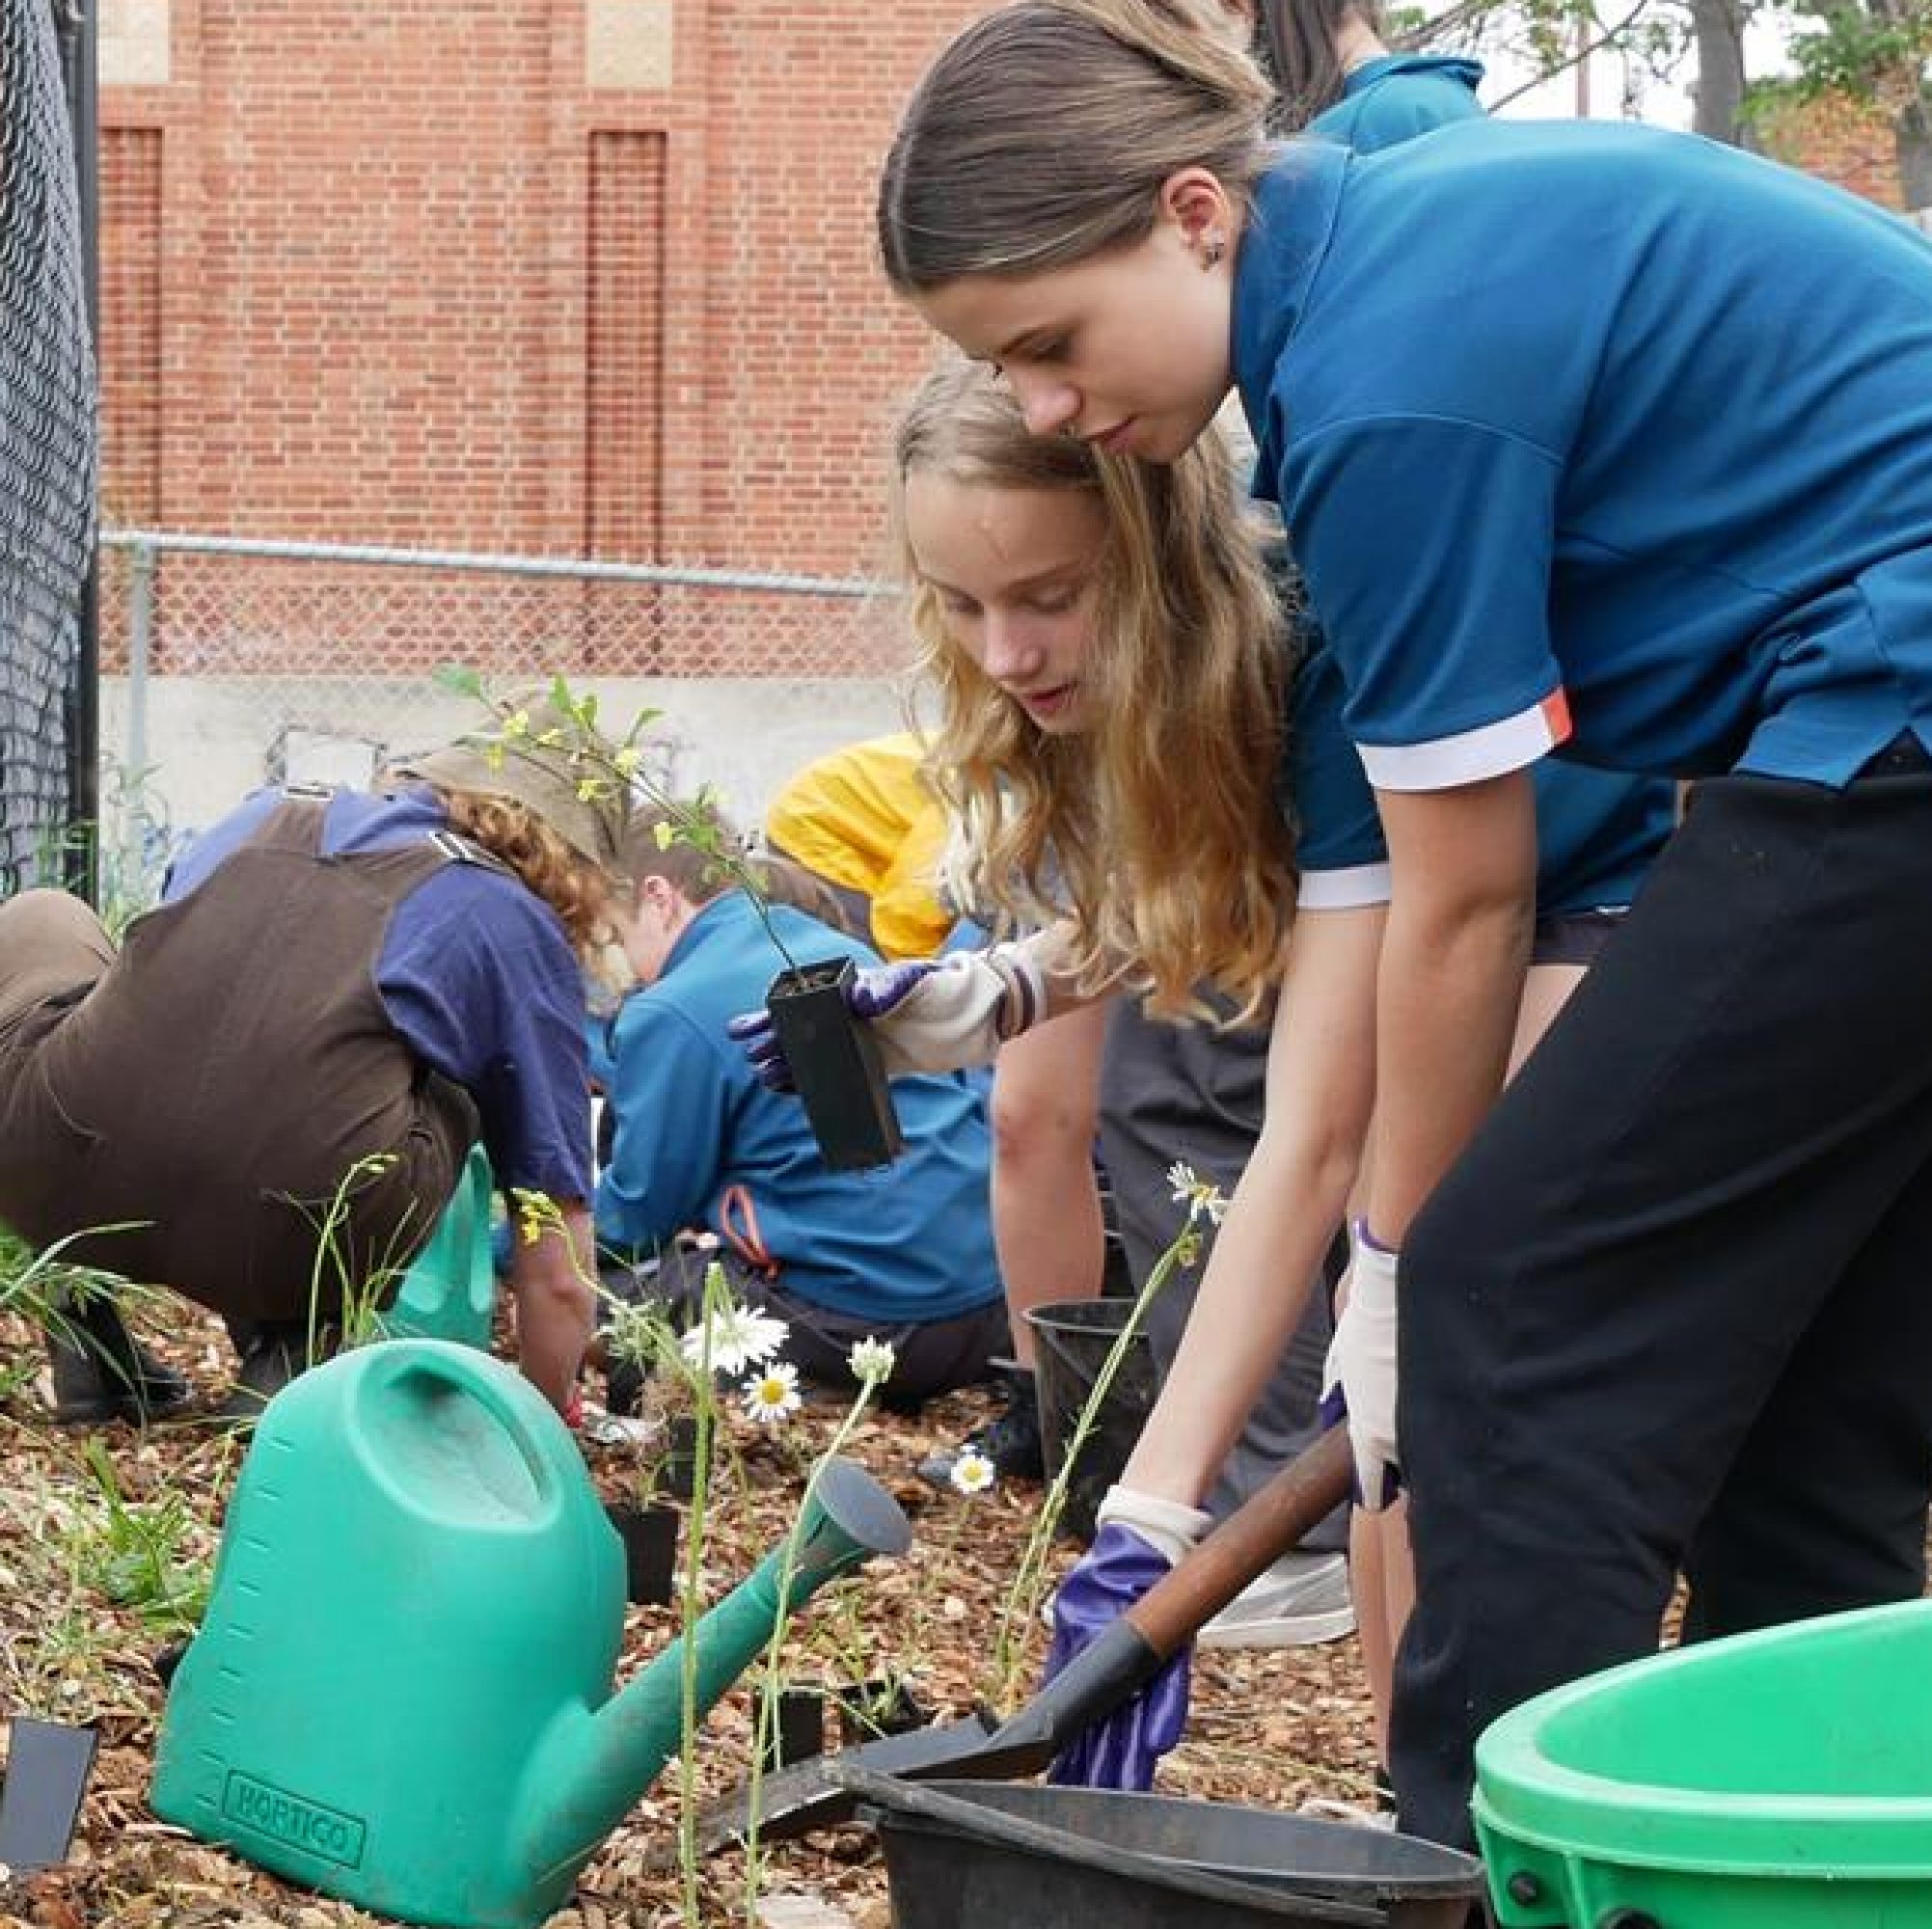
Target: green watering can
x=402, y=1692
x=449, y=1291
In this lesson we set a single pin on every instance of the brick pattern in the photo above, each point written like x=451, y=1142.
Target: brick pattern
x=130, y=323
x=400, y=274
x=399, y=238
x=1838, y=140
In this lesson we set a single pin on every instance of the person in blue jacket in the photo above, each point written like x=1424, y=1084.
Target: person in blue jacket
x=903, y=1253
x=1610, y=443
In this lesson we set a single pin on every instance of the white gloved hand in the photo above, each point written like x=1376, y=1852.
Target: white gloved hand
x=1171, y=1527
x=939, y=1014
x=1359, y=1378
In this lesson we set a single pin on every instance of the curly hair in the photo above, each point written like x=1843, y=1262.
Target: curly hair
x=575, y=888
x=1157, y=828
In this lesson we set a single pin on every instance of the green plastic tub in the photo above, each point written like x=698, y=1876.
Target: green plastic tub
x=1773, y=1780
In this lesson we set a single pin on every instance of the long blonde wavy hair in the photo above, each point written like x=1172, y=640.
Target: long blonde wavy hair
x=1156, y=827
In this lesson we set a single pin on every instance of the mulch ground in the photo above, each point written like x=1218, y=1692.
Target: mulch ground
x=1268, y=1728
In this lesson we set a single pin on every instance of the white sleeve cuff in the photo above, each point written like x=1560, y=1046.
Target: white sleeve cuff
x=1489, y=751
x=1348, y=888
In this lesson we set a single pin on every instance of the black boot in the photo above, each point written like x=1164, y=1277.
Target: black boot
x=273, y=1351
x=1010, y=1439
x=101, y=1373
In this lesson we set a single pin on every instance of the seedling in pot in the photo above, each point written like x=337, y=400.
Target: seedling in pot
x=649, y=1534
x=833, y=1059
x=835, y=1064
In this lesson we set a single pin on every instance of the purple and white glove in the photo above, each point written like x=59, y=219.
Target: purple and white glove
x=1140, y=1537
x=928, y=1013
x=1359, y=1376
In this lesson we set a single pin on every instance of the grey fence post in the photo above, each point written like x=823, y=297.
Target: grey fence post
x=141, y=567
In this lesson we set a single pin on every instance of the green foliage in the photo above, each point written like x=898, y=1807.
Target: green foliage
x=126, y=850
x=1868, y=52
x=608, y=768
x=360, y=1291
x=137, y=1556
x=46, y=1287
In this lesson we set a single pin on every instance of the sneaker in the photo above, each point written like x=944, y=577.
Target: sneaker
x=1010, y=1440
x=102, y=1372
x=1301, y=1601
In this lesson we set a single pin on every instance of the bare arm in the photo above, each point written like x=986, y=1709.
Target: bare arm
x=1292, y=1196
x=1450, y=981
x=1047, y=1224
x=556, y=1305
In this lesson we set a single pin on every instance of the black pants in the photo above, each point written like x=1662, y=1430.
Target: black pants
x=1192, y=1093
x=1673, y=1308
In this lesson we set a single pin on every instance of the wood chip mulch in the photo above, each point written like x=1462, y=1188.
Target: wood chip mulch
x=1270, y=1728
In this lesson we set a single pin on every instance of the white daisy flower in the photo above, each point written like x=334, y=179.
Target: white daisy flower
x=1201, y=1196
x=769, y=1397
x=739, y=1338
x=871, y=1361
x=973, y=1473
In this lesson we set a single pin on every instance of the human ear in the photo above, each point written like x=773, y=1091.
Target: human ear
x=1198, y=204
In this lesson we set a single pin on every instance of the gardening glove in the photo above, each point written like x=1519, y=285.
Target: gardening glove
x=1140, y=1537
x=927, y=1014
x=1359, y=1378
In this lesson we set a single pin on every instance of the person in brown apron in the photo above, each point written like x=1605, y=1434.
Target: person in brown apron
x=264, y=1098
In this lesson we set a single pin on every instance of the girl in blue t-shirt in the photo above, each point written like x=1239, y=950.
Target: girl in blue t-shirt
x=1592, y=439
x=1092, y=629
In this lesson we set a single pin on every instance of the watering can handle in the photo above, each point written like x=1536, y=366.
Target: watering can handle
x=1244, y=1545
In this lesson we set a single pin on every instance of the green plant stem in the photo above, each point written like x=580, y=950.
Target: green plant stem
x=1019, y=1615
x=768, y=1687
x=689, y=1605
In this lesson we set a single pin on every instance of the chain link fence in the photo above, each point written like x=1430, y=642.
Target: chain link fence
x=46, y=448
x=231, y=661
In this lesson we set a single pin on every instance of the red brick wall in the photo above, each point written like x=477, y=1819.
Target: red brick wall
x=1840, y=141
x=393, y=273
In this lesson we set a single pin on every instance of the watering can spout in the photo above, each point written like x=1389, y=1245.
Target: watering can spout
x=594, y=1769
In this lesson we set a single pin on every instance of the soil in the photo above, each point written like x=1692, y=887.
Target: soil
x=1272, y=1729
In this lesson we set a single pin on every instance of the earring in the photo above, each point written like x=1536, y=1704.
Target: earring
x=1211, y=251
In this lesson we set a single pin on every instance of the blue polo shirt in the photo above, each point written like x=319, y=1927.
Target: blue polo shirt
x=905, y=1242
x=1593, y=436
x=1597, y=831
x=1398, y=96
x=476, y=974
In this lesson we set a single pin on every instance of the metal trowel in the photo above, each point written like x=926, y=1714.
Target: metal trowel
x=1099, y=1679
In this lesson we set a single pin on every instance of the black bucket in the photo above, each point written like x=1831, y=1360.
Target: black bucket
x=1072, y=1338
x=961, y=1855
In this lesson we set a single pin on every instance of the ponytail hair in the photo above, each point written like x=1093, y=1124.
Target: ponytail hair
x=1042, y=136
x=1301, y=41
x=1156, y=828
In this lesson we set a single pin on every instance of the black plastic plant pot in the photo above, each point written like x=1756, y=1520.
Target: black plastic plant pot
x=798, y=1734
x=836, y=1065
x=649, y=1534
x=675, y=1474
x=868, y=1710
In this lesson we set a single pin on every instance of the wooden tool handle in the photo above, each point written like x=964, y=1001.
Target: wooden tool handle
x=1252, y=1538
